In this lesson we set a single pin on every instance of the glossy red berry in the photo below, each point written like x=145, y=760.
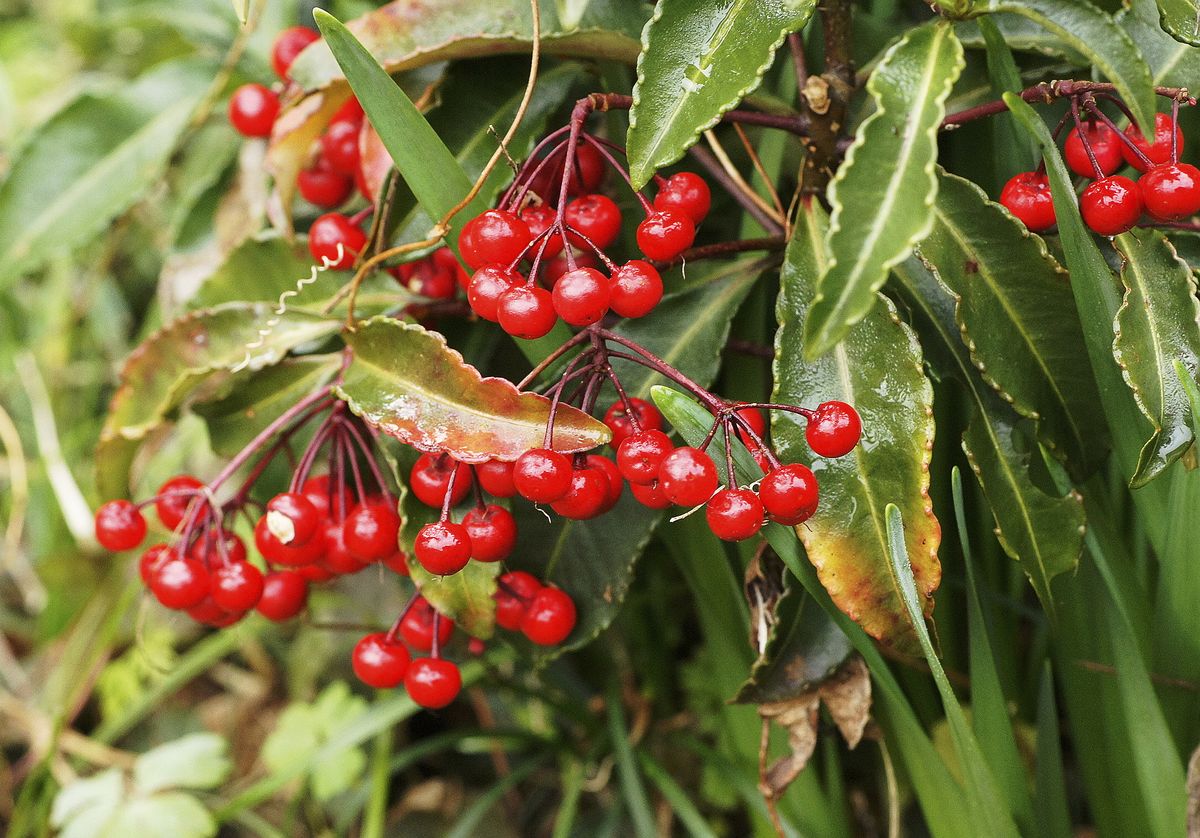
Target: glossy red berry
x=488, y=285
x=687, y=193
x=588, y=172
x=180, y=583
x=237, y=586
x=323, y=187
x=687, y=476
x=1111, y=205
x=371, y=530
x=539, y=219
x=636, y=288
x=616, y=485
x=174, y=498
x=496, y=478
x=417, y=626
x=549, y=618
x=284, y=596
x=1027, y=196
x=430, y=476
x=514, y=592
x=252, y=110
x=493, y=532
x=665, y=234
x=433, y=682
x=119, y=525
x=350, y=111
x=542, y=475
x=833, y=429
x=153, y=556
x=493, y=237
x=734, y=514
x=526, y=311
x=288, y=44
x=1171, y=191
x=379, y=662
x=292, y=518
x=337, y=559
x=789, y=494
x=1105, y=144
x=320, y=493
x=586, y=497
x=276, y=552
x=339, y=147
x=334, y=241
x=756, y=419
x=443, y=548
x=552, y=270
x=641, y=454
x=213, y=547
x=594, y=217
x=1160, y=151
x=650, y=495
x=581, y=296
x=621, y=425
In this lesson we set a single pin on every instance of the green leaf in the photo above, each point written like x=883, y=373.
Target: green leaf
x=196, y=761
x=168, y=366
x=169, y=815
x=878, y=369
x=1172, y=63
x=1105, y=44
x=1019, y=34
x=465, y=597
x=259, y=270
x=1181, y=19
x=407, y=382
x=92, y=799
x=305, y=730
x=1018, y=317
x=1050, y=801
x=1158, y=323
x=882, y=196
x=698, y=60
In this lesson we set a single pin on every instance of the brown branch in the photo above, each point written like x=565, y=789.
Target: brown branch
x=826, y=97
x=1047, y=91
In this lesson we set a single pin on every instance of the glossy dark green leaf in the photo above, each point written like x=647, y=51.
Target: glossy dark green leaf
x=882, y=196
x=1181, y=19
x=1017, y=316
x=1172, y=63
x=1158, y=323
x=698, y=60
x=877, y=368
x=1020, y=34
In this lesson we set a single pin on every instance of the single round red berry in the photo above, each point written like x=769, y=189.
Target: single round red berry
x=433, y=682
x=252, y=110
x=588, y=171
x=339, y=147
x=443, y=548
x=616, y=485
x=417, y=626
x=379, y=662
x=665, y=234
x=334, y=241
x=284, y=596
x=1160, y=151
x=542, y=475
x=756, y=419
x=586, y=497
x=321, y=186
x=488, y=285
x=734, y=514
x=288, y=44
x=636, y=288
x=337, y=559
x=120, y=525
x=493, y=532
x=428, y=278
x=292, y=518
x=1171, y=191
x=218, y=546
x=1111, y=205
x=539, y=219
x=514, y=592
x=1027, y=196
x=180, y=583
x=789, y=494
x=650, y=495
x=687, y=193
x=276, y=552
x=641, y=454
x=430, y=476
x=549, y=618
x=688, y=477
x=621, y=425
x=154, y=555
x=833, y=429
x=350, y=111
x=496, y=478
x=595, y=218
x=237, y=586
x=581, y=296
x=175, y=497
x=320, y=493
x=1105, y=145
x=493, y=237
x=552, y=270
x=371, y=530
x=526, y=311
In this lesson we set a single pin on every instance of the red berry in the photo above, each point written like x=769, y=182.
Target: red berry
x=636, y=288
x=397, y=563
x=495, y=236
x=417, y=626
x=734, y=514
x=443, y=548
x=641, y=454
x=339, y=147
x=493, y=533
x=542, y=475
x=252, y=110
x=586, y=497
x=552, y=270
x=514, y=592
x=334, y=241
x=688, y=476
x=539, y=219
x=1027, y=196
x=237, y=586
x=276, y=552
x=292, y=518
x=650, y=495
x=595, y=218
x=315, y=573
x=496, y=478
x=174, y=497
x=371, y=530
x=1111, y=205
x=488, y=285
x=686, y=193
x=526, y=311
x=323, y=187
x=789, y=494
x=351, y=111
x=337, y=560
x=430, y=476
x=180, y=583
x=119, y=525
x=1105, y=145
x=621, y=425
x=833, y=429
x=379, y=662
x=1171, y=191
x=154, y=555
x=288, y=44
x=665, y=234
x=616, y=484
x=588, y=172
x=1160, y=151
x=223, y=546
x=581, y=296
x=757, y=421
x=432, y=682
x=284, y=596
x=320, y=493
x=549, y=618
